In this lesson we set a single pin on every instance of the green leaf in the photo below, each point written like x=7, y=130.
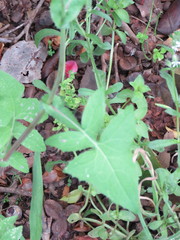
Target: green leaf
x=44, y=33
x=63, y=115
x=8, y=230
x=75, y=43
x=112, y=4
x=159, y=145
x=99, y=232
x=7, y=223
x=19, y=162
x=105, y=166
x=122, y=36
x=114, y=88
x=97, y=40
x=10, y=86
x=117, y=20
x=94, y=108
x=105, y=30
x=85, y=91
x=122, y=96
x=74, y=217
x=34, y=141
x=84, y=57
x=27, y=109
x=141, y=103
x=102, y=15
x=7, y=106
x=98, y=51
x=126, y=216
x=41, y=85
x=122, y=14
x=170, y=84
x=37, y=199
x=169, y=110
x=142, y=129
x=138, y=85
x=4, y=164
x=11, y=234
x=69, y=141
x=155, y=225
x=64, y=12
x=5, y=136
x=72, y=196
x=78, y=28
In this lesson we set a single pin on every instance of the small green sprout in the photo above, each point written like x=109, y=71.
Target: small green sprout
x=50, y=51
x=142, y=37
x=68, y=92
x=158, y=54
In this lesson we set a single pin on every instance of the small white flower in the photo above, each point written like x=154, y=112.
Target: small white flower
x=176, y=46
x=175, y=64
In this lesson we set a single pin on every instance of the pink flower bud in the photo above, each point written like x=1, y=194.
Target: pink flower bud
x=70, y=66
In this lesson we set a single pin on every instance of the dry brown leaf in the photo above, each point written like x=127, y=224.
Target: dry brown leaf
x=24, y=61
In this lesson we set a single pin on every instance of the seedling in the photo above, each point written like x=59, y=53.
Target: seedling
x=51, y=51
x=158, y=54
x=142, y=37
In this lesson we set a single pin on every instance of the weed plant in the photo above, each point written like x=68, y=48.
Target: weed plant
x=112, y=150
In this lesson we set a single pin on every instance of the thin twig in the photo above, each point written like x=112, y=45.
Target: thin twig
x=5, y=40
x=12, y=30
x=15, y=191
x=4, y=28
x=131, y=34
x=117, y=79
x=34, y=13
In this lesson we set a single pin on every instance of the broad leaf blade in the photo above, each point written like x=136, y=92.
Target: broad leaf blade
x=7, y=106
x=63, y=115
x=63, y=12
x=10, y=86
x=19, y=162
x=37, y=199
x=11, y=234
x=5, y=136
x=109, y=166
x=69, y=141
x=34, y=141
x=93, y=115
x=27, y=109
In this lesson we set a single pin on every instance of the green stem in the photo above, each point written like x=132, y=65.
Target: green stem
x=150, y=17
x=111, y=57
x=95, y=207
x=59, y=78
x=95, y=70
x=146, y=230
x=142, y=46
x=100, y=202
x=87, y=200
x=102, y=25
x=110, y=107
x=105, y=225
x=88, y=16
x=177, y=117
x=173, y=214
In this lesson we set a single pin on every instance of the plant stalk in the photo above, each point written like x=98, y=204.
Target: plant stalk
x=111, y=57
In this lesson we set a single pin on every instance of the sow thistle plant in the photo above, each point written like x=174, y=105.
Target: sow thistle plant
x=108, y=160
